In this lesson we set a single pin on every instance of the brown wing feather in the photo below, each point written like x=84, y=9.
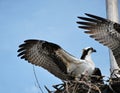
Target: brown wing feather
x=42, y=53
x=104, y=31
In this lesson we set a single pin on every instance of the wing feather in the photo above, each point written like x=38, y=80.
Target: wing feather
x=47, y=55
x=104, y=31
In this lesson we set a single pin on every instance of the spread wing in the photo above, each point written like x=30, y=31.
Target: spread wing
x=103, y=31
x=48, y=55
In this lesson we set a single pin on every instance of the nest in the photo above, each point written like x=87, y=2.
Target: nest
x=86, y=86
x=115, y=84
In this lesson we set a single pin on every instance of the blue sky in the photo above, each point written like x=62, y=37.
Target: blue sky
x=50, y=20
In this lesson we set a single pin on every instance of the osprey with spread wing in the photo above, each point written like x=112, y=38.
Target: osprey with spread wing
x=56, y=60
x=104, y=31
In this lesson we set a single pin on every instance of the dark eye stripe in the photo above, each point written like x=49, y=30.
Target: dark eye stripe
x=85, y=52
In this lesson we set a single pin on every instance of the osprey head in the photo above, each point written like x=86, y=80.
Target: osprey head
x=87, y=51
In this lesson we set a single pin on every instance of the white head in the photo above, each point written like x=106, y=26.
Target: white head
x=87, y=52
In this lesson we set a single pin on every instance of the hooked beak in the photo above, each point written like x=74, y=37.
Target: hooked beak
x=94, y=50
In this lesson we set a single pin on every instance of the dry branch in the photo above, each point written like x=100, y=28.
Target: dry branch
x=86, y=86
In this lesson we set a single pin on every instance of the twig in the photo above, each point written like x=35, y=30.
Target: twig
x=37, y=80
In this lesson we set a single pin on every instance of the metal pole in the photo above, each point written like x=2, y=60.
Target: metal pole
x=112, y=14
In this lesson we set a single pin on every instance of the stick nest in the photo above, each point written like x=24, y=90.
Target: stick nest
x=86, y=86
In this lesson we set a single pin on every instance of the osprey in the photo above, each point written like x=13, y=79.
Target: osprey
x=104, y=31
x=56, y=60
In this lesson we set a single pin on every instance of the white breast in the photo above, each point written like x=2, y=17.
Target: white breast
x=83, y=67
